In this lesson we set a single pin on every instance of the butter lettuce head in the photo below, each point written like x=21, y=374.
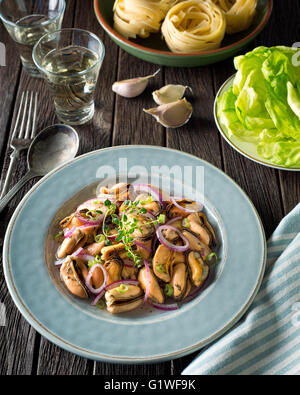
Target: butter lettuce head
x=263, y=105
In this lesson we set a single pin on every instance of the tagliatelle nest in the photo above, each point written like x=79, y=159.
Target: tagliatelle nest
x=239, y=13
x=134, y=18
x=188, y=26
x=194, y=26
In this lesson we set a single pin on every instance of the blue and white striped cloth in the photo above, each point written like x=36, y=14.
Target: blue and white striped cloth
x=267, y=339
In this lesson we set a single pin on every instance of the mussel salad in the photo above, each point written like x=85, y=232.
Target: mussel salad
x=133, y=245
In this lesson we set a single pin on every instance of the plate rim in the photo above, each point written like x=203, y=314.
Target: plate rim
x=233, y=145
x=51, y=336
x=151, y=51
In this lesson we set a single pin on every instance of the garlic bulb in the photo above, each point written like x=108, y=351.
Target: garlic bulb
x=172, y=115
x=132, y=87
x=169, y=94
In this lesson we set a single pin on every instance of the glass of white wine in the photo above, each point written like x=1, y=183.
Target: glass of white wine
x=27, y=21
x=70, y=60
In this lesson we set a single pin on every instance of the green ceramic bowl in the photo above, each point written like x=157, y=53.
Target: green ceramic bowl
x=155, y=50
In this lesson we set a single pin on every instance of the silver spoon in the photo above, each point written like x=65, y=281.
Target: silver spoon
x=52, y=147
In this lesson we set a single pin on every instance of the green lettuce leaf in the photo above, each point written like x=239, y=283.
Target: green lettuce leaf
x=263, y=105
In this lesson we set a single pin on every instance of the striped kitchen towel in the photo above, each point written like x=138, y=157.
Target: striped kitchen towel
x=267, y=339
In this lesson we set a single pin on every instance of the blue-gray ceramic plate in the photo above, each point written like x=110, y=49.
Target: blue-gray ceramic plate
x=146, y=335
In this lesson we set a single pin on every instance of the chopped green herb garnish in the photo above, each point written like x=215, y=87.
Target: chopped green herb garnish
x=91, y=262
x=107, y=203
x=185, y=223
x=58, y=235
x=211, y=258
x=98, y=259
x=160, y=268
x=161, y=218
x=122, y=288
x=100, y=304
x=169, y=290
x=99, y=238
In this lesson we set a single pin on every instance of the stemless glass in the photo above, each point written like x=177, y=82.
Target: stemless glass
x=27, y=21
x=70, y=60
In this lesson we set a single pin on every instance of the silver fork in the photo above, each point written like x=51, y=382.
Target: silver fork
x=21, y=138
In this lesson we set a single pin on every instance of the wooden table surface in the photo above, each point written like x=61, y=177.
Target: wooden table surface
x=119, y=121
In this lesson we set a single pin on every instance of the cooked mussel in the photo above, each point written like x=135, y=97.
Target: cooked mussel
x=196, y=244
x=174, y=211
x=143, y=247
x=72, y=273
x=179, y=280
x=123, y=299
x=188, y=288
x=161, y=263
x=77, y=239
x=112, y=251
x=147, y=202
x=114, y=270
x=198, y=269
x=129, y=271
x=205, y=222
x=155, y=292
x=200, y=229
x=144, y=229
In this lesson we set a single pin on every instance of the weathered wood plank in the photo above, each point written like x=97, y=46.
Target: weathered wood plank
x=259, y=182
x=133, y=126
x=9, y=77
x=20, y=336
x=22, y=351
x=198, y=137
x=289, y=181
x=94, y=135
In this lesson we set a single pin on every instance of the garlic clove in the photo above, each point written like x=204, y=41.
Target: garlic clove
x=169, y=94
x=132, y=87
x=172, y=115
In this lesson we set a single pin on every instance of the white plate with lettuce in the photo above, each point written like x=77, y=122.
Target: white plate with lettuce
x=257, y=110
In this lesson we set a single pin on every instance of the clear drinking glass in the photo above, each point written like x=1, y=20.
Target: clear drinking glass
x=70, y=60
x=27, y=21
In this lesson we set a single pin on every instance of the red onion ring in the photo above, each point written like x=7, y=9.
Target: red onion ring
x=148, y=281
x=99, y=296
x=142, y=246
x=154, y=192
x=82, y=255
x=70, y=232
x=186, y=209
x=87, y=227
x=92, y=205
x=169, y=245
x=149, y=214
x=59, y=262
x=127, y=265
x=115, y=283
x=89, y=276
x=78, y=251
x=89, y=222
x=103, y=196
x=172, y=220
x=165, y=307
